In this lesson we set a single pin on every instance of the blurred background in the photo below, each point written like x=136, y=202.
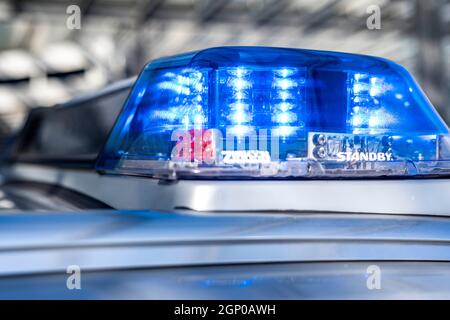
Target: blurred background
x=43, y=62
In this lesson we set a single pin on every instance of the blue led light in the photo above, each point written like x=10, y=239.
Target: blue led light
x=249, y=111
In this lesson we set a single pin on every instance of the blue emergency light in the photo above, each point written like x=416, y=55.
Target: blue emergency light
x=276, y=112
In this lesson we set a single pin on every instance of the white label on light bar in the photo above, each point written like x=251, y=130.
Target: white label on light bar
x=245, y=157
x=341, y=147
x=363, y=156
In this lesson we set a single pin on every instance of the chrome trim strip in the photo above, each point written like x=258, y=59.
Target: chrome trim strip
x=416, y=196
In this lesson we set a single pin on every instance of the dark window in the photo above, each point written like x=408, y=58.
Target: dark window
x=70, y=133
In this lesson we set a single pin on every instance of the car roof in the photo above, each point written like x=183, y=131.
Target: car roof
x=100, y=240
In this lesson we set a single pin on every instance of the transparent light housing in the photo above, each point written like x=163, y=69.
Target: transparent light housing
x=246, y=112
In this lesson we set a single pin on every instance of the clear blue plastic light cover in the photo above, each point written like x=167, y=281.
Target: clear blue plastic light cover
x=274, y=112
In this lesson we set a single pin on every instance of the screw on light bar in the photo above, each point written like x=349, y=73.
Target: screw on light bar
x=273, y=112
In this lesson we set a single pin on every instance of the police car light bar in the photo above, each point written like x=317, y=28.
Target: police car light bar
x=276, y=112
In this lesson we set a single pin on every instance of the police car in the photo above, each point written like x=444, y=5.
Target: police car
x=233, y=173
